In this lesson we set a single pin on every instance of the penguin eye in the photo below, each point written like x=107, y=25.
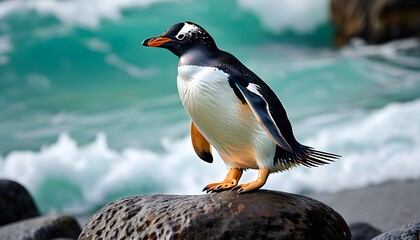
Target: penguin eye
x=180, y=36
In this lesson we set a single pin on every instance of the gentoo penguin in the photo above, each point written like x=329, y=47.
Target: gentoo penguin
x=233, y=110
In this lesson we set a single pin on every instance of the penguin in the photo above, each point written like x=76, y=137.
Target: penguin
x=232, y=110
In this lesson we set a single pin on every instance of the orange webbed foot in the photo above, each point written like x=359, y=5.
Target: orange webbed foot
x=231, y=180
x=220, y=186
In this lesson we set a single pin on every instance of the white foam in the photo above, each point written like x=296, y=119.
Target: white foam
x=75, y=12
x=5, y=47
x=129, y=68
x=6, y=7
x=98, y=45
x=301, y=16
x=38, y=81
x=5, y=44
x=390, y=51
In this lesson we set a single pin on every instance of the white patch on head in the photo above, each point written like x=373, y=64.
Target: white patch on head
x=186, y=30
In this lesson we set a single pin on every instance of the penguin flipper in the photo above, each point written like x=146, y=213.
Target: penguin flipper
x=201, y=146
x=262, y=110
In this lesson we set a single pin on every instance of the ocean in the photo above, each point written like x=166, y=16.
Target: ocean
x=88, y=115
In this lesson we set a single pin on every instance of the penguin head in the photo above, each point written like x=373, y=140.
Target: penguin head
x=181, y=38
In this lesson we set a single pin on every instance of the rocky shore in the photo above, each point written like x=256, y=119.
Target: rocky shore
x=375, y=22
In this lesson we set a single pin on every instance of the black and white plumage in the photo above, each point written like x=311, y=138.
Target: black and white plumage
x=233, y=110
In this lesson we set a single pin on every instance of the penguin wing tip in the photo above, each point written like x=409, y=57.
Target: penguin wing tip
x=206, y=156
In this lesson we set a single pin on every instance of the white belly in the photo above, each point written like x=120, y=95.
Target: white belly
x=225, y=122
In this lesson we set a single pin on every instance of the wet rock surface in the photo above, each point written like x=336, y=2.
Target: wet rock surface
x=375, y=21
x=225, y=215
x=15, y=203
x=410, y=231
x=41, y=228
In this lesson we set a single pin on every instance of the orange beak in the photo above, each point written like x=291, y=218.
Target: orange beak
x=155, y=42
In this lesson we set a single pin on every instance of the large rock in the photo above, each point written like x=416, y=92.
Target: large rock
x=410, y=231
x=42, y=228
x=225, y=215
x=375, y=21
x=15, y=203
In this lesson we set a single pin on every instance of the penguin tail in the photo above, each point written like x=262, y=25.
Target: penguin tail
x=309, y=157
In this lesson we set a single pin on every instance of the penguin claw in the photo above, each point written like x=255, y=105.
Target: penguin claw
x=244, y=188
x=207, y=189
x=239, y=189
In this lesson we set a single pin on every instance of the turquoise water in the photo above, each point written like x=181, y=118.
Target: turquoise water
x=88, y=115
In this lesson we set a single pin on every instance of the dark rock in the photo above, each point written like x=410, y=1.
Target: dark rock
x=15, y=203
x=375, y=21
x=363, y=231
x=42, y=228
x=225, y=215
x=410, y=231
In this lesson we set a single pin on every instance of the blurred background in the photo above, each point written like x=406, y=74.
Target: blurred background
x=88, y=115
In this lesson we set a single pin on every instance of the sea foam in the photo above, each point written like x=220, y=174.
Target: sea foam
x=77, y=12
x=5, y=47
x=278, y=15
